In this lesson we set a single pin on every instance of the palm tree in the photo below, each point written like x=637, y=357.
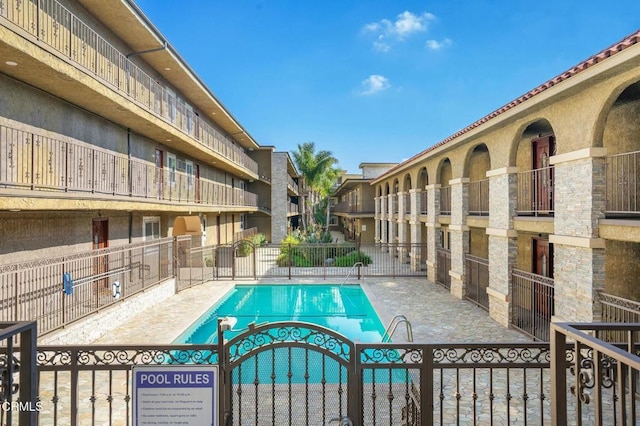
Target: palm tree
x=319, y=171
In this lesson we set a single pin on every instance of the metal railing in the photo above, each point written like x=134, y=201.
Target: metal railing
x=479, y=197
x=424, y=196
x=288, y=261
x=619, y=310
x=443, y=266
x=275, y=372
x=477, y=280
x=60, y=290
x=623, y=184
x=600, y=380
x=536, y=192
x=292, y=184
x=445, y=200
x=54, y=25
x=407, y=203
x=39, y=163
x=19, y=373
x=533, y=303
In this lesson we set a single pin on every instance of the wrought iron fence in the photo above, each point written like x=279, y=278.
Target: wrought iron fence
x=445, y=200
x=536, y=192
x=623, y=184
x=477, y=280
x=533, y=303
x=479, y=197
x=57, y=291
x=244, y=259
x=299, y=373
x=52, y=24
x=443, y=266
x=424, y=196
x=619, y=310
x=18, y=373
x=598, y=384
x=36, y=162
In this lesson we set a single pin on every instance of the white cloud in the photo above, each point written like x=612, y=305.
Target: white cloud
x=437, y=45
x=405, y=25
x=374, y=84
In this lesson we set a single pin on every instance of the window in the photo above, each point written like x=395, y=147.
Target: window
x=171, y=165
x=188, y=169
x=150, y=231
x=243, y=222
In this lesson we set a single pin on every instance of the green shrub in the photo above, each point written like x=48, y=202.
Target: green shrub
x=296, y=260
x=258, y=240
x=352, y=258
x=244, y=248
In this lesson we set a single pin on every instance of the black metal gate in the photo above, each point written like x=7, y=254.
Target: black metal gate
x=288, y=373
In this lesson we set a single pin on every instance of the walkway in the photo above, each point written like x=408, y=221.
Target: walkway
x=435, y=314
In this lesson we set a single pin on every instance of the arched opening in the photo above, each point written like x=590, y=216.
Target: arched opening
x=423, y=181
x=536, y=177
x=444, y=176
x=478, y=164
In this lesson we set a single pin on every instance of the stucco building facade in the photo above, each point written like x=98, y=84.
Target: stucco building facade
x=532, y=211
x=107, y=136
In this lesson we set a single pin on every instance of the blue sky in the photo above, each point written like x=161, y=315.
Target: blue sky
x=380, y=80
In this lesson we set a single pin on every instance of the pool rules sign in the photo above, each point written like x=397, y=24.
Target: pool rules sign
x=175, y=395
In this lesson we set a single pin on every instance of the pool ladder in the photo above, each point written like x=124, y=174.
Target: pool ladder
x=350, y=271
x=393, y=325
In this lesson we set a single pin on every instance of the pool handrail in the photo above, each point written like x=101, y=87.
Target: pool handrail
x=350, y=271
x=393, y=325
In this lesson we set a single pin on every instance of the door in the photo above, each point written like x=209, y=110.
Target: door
x=100, y=236
x=197, y=183
x=543, y=148
x=159, y=173
x=543, y=265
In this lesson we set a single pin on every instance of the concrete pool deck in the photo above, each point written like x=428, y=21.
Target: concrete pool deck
x=436, y=316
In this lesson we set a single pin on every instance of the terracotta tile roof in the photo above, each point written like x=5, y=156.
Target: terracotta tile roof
x=593, y=60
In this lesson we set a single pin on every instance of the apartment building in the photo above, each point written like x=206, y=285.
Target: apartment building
x=353, y=202
x=533, y=210
x=108, y=137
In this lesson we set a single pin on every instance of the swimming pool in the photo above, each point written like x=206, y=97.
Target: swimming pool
x=342, y=308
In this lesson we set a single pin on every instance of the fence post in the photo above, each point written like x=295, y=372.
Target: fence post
x=289, y=259
x=15, y=305
x=558, y=375
x=255, y=253
x=358, y=248
x=28, y=374
x=74, y=387
x=426, y=387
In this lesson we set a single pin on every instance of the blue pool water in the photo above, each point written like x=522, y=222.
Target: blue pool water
x=342, y=308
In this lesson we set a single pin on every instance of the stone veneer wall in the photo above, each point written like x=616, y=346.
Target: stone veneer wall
x=279, y=200
x=95, y=326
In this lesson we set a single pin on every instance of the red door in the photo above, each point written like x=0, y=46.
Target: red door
x=100, y=235
x=543, y=265
x=543, y=148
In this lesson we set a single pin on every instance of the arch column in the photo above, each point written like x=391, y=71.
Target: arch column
x=376, y=219
x=384, y=222
x=416, y=236
x=433, y=228
x=503, y=249
x=391, y=230
x=579, y=253
x=459, y=232
x=403, y=252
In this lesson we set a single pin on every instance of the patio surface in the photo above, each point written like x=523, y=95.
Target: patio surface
x=435, y=315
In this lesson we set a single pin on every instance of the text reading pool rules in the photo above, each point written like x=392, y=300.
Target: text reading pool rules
x=175, y=395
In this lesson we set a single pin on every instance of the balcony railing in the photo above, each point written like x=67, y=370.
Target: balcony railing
x=395, y=203
x=445, y=200
x=423, y=202
x=57, y=27
x=292, y=184
x=623, y=184
x=443, y=266
x=477, y=280
x=533, y=303
x=479, y=197
x=39, y=163
x=536, y=192
x=407, y=203
x=293, y=208
x=619, y=310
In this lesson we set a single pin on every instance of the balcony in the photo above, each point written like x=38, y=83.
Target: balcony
x=292, y=185
x=293, y=209
x=445, y=201
x=623, y=185
x=535, y=192
x=479, y=198
x=407, y=203
x=37, y=163
x=423, y=202
x=52, y=24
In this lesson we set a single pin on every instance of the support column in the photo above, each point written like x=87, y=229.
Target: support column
x=403, y=252
x=416, y=236
x=503, y=197
x=433, y=228
x=459, y=232
x=384, y=214
x=376, y=221
x=579, y=253
x=393, y=200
